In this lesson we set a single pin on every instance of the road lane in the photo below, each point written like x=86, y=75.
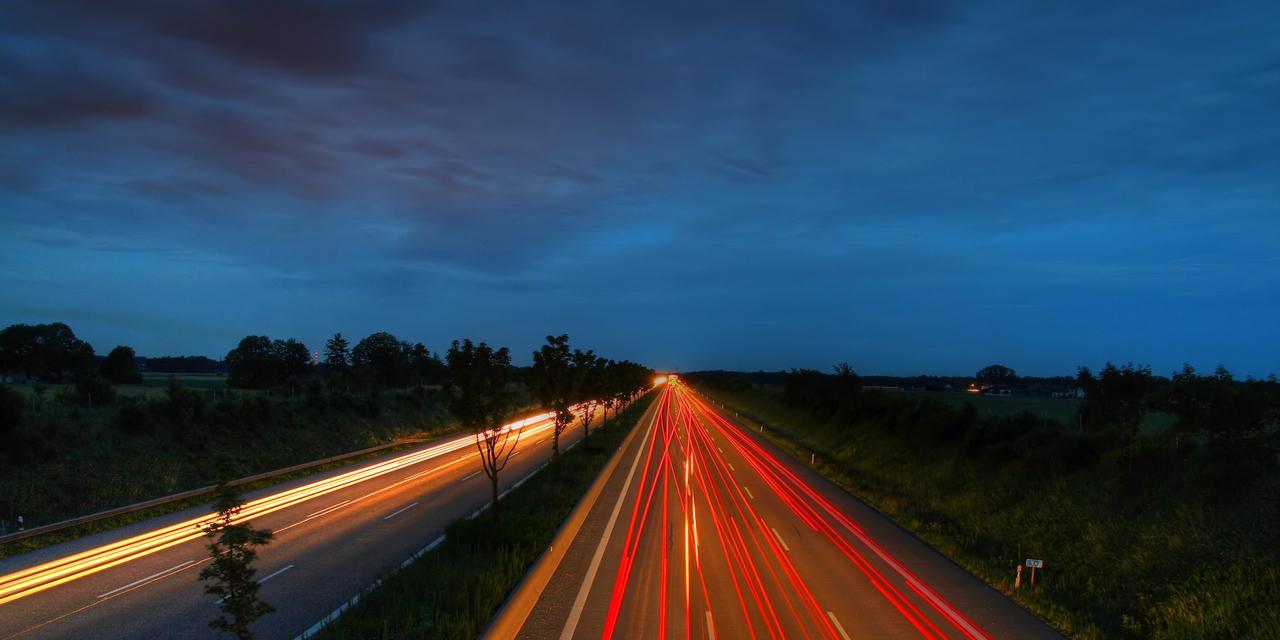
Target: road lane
x=331, y=542
x=721, y=536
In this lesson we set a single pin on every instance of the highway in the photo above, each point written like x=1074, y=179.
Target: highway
x=704, y=530
x=335, y=532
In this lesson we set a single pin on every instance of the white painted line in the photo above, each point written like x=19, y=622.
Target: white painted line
x=780, y=540
x=471, y=476
x=839, y=627
x=711, y=627
x=730, y=466
x=571, y=625
x=748, y=490
x=721, y=450
x=154, y=576
x=275, y=574
x=327, y=509
x=222, y=600
x=313, y=516
x=401, y=511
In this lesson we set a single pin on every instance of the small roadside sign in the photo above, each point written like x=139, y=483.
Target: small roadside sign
x=1035, y=564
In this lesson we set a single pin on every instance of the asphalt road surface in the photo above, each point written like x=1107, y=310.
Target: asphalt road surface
x=335, y=532
x=706, y=531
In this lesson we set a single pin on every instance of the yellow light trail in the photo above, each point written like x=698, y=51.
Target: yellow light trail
x=26, y=582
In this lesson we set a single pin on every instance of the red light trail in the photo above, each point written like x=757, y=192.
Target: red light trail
x=760, y=589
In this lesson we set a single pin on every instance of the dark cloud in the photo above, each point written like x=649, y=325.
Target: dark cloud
x=64, y=89
x=903, y=184
x=316, y=38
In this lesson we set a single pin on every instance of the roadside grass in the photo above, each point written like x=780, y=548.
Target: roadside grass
x=1131, y=549
x=453, y=591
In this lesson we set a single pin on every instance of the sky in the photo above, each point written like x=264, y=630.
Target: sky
x=910, y=186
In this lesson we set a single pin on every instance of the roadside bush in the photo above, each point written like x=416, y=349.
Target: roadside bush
x=1071, y=452
x=995, y=437
x=132, y=419
x=12, y=407
x=94, y=391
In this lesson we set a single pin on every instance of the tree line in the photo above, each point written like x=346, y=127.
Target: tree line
x=1231, y=426
x=569, y=383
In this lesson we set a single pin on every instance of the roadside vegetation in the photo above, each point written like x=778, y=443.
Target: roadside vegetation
x=81, y=433
x=452, y=591
x=1165, y=528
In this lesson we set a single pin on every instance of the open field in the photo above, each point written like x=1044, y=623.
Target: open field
x=152, y=386
x=1061, y=409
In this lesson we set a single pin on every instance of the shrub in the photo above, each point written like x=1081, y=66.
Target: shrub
x=94, y=391
x=12, y=407
x=133, y=420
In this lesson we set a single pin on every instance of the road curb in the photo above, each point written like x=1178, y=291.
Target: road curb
x=513, y=613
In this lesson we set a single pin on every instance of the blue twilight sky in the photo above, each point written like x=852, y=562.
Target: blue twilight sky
x=907, y=185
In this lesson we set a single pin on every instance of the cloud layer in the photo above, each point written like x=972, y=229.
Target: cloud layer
x=909, y=186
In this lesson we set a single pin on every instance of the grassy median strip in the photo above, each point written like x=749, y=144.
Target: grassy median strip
x=453, y=591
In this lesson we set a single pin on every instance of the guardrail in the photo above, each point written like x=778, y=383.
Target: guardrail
x=186, y=495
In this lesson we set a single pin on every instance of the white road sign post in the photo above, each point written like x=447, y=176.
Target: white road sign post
x=1034, y=564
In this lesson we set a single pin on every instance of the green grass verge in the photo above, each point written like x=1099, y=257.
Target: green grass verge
x=1129, y=552
x=453, y=591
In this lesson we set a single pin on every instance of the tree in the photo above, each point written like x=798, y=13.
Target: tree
x=587, y=370
x=553, y=383
x=382, y=359
x=46, y=352
x=230, y=575
x=12, y=407
x=94, y=391
x=251, y=365
x=479, y=399
x=1234, y=415
x=606, y=378
x=259, y=362
x=1116, y=399
x=337, y=354
x=996, y=374
x=291, y=358
x=121, y=366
